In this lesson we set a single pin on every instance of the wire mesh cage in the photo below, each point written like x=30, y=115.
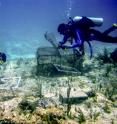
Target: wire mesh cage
x=61, y=60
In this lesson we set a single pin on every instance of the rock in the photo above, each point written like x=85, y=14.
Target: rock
x=76, y=96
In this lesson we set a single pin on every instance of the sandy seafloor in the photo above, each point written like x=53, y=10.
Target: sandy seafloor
x=20, y=83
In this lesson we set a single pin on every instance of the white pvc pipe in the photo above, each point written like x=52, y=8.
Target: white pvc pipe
x=8, y=78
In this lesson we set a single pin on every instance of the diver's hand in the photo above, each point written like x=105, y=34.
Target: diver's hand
x=60, y=45
x=63, y=47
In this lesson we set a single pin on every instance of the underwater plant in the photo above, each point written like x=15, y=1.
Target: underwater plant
x=79, y=64
x=108, y=69
x=106, y=108
x=112, y=121
x=68, y=95
x=68, y=100
x=50, y=119
x=7, y=121
x=81, y=118
x=88, y=104
x=6, y=98
x=53, y=115
x=27, y=106
x=110, y=88
x=103, y=57
x=39, y=87
x=19, y=61
x=94, y=114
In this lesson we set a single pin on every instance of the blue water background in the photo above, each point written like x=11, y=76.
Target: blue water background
x=24, y=22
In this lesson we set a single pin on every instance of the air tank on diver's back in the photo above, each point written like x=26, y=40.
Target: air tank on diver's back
x=97, y=21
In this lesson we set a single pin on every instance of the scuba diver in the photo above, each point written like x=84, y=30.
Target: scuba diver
x=79, y=30
x=2, y=58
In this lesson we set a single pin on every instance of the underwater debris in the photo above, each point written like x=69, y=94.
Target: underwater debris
x=52, y=56
x=14, y=86
x=76, y=96
x=66, y=69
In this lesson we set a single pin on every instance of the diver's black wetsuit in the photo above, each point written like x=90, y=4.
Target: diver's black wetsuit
x=88, y=33
x=103, y=37
x=81, y=31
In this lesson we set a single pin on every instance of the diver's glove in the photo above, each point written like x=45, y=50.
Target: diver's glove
x=60, y=45
x=63, y=47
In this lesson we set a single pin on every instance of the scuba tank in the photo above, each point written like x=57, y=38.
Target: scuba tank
x=96, y=21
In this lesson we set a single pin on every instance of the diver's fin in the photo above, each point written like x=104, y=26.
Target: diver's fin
x=115, y=25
